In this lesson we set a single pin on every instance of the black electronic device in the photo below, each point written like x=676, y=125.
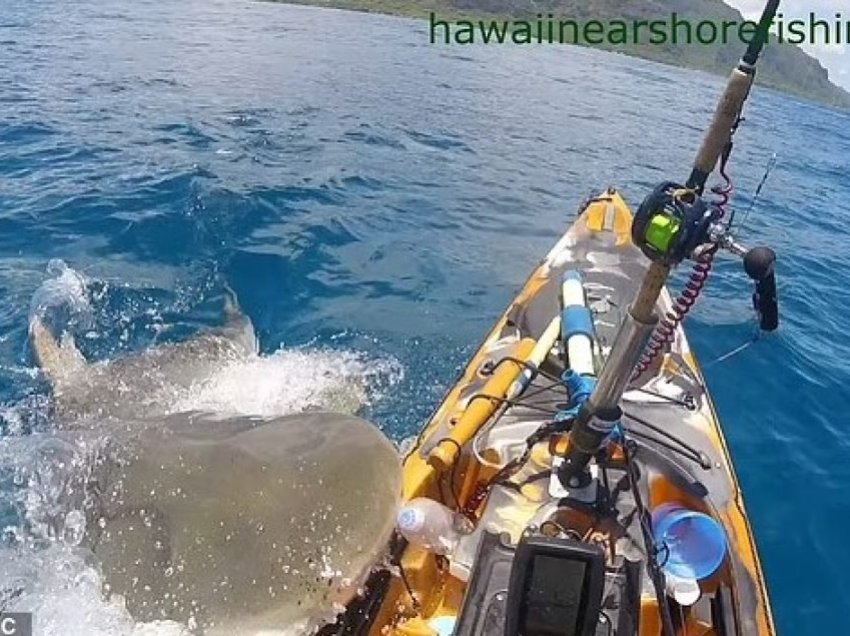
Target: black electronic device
x=555, y=588
x=511, y=587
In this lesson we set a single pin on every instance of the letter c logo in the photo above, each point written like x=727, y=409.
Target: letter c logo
x=8, y=626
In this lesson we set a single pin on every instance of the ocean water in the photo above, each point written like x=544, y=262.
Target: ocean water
x=376, y=202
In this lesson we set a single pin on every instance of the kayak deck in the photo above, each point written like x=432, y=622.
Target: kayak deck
x=681, y=454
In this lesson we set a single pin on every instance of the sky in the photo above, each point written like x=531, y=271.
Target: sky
x=835, y=57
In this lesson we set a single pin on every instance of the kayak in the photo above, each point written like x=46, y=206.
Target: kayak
x=575, y=480
x=515, y=384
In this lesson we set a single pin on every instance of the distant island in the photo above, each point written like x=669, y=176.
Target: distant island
x=784, y=67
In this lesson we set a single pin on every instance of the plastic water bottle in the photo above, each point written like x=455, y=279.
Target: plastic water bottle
x=693, y=544
x=431, y=525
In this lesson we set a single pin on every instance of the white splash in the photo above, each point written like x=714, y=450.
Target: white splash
x=66, y=288
x=292, y=381
x=64, y=594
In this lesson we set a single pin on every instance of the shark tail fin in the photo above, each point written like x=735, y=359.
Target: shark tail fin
x=236, y=324
x=231, y=304
x=57, y=358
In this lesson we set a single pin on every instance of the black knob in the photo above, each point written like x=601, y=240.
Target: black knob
x=760, y=265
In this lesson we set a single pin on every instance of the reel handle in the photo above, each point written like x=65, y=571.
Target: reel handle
x=760, y=265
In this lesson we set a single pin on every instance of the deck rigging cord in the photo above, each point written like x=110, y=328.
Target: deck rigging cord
x=417, y=606
x=520, y=400
x=686, y=450
x=504, y=402
x=687, y=402
x=653, y=567
x=504, y=474
x=482, y=490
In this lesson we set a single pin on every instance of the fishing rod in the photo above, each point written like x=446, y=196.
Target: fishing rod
x=727, y=117
x=675, y=223
x=672, y=224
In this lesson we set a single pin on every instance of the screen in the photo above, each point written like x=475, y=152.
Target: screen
x=553, y=597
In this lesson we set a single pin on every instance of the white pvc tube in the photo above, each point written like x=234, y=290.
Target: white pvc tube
x=579, y=347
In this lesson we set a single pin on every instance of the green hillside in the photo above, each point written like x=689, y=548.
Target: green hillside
x=783, y=67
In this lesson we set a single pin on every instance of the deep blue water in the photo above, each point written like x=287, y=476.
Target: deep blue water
x=363, y=191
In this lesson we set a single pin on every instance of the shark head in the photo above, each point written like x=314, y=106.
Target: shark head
x=244, y=525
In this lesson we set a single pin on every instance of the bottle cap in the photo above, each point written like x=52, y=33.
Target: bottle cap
x=685, y=592
x=410, y=519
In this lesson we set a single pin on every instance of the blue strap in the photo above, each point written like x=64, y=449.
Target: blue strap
x=572, y=274
x=576, y=320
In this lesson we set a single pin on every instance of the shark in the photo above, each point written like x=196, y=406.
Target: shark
x=230, y=524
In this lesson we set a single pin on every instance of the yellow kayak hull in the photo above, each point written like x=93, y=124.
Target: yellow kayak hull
x=437, y=467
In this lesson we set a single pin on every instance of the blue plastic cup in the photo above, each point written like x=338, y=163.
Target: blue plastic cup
x=690, y=544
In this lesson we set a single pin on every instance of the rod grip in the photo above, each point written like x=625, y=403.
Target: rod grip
x=720, y=131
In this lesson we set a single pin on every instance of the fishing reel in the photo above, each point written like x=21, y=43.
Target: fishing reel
x=671, y=223
x=674, y=223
